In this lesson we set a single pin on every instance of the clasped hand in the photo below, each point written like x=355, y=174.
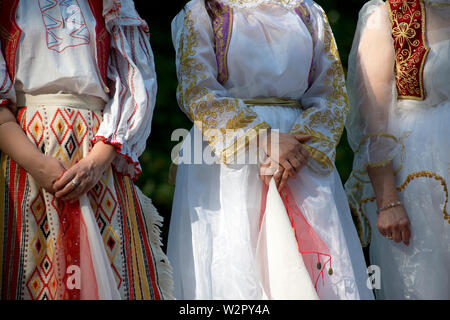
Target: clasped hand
x=85, y=174
x=286, y=156
x=79, y=179
x=71, y=184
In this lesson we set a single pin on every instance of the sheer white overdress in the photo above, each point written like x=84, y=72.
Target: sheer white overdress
x=414, y=135
x=214, y=226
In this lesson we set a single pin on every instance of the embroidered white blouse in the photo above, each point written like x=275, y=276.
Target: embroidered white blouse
x=276, y=49
x=57, y=54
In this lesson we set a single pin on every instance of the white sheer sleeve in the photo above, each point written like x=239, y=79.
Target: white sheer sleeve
x=226, y=122
x=325, y=102
x=7, y=92
x=372, y=91
x=127, y=116
x=373, y=97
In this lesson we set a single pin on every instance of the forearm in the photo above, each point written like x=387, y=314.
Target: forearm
x=102, y=154
x=15, y=143
x=383, y=183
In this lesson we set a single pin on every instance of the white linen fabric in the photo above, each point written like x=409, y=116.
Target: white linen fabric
x=63, y=36
x=277, y=254
x=414, y=136
x=215, y=218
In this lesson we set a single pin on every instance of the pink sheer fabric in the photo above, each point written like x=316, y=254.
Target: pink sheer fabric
x=78, y=281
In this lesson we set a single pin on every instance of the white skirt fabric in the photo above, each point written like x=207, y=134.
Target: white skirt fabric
x=421, y=270
x=214, y=229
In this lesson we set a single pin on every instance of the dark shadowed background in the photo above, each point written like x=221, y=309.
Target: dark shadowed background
x=167, y=117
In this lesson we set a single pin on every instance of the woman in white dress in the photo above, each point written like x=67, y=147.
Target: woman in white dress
x=77, y=96
x=247, y=66
x=399, y=129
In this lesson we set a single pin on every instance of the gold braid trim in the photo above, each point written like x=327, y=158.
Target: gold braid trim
x=430, y=175
x=408, y=180
x=320, y=157
x=359, y=225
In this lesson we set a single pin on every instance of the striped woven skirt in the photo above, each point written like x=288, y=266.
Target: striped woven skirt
x=119, y=225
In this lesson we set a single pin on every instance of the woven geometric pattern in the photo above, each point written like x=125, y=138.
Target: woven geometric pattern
x=29, y=266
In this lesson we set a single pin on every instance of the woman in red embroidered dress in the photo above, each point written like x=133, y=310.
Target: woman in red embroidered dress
x=399, y=128
x=77, y=93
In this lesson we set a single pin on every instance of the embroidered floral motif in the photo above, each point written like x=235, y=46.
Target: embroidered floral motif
x=203, y=107
x=326, y=125
x=408, y=31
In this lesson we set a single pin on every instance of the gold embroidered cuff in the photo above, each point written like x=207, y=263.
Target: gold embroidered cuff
x=320, y=157
x=229, y=153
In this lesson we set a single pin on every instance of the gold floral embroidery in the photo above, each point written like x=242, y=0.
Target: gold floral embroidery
x=326, y=125
x=242, y=142
x=201, y=105
x=408, y=30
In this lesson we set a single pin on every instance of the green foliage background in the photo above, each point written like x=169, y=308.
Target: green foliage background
x=155, y=161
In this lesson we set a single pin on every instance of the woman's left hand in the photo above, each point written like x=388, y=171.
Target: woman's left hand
x=271, y=169
x=84, y=175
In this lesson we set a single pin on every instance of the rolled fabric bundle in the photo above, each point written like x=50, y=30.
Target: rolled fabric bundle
x=283, y=271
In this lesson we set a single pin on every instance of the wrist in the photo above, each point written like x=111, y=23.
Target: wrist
x=38, y=164
x=101, y=155
x=389, y=206
x=388, y=199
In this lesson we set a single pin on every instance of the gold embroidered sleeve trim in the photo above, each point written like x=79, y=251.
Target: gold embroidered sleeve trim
x=220, y=119
x=326, y=123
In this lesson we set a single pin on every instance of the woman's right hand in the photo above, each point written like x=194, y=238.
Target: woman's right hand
x=287, y=150
x=286, y=156
x=15, y=143
x=394, y=224
x=47, y=171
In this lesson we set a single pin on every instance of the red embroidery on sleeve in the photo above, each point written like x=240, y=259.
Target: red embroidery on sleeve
x=64, y=24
